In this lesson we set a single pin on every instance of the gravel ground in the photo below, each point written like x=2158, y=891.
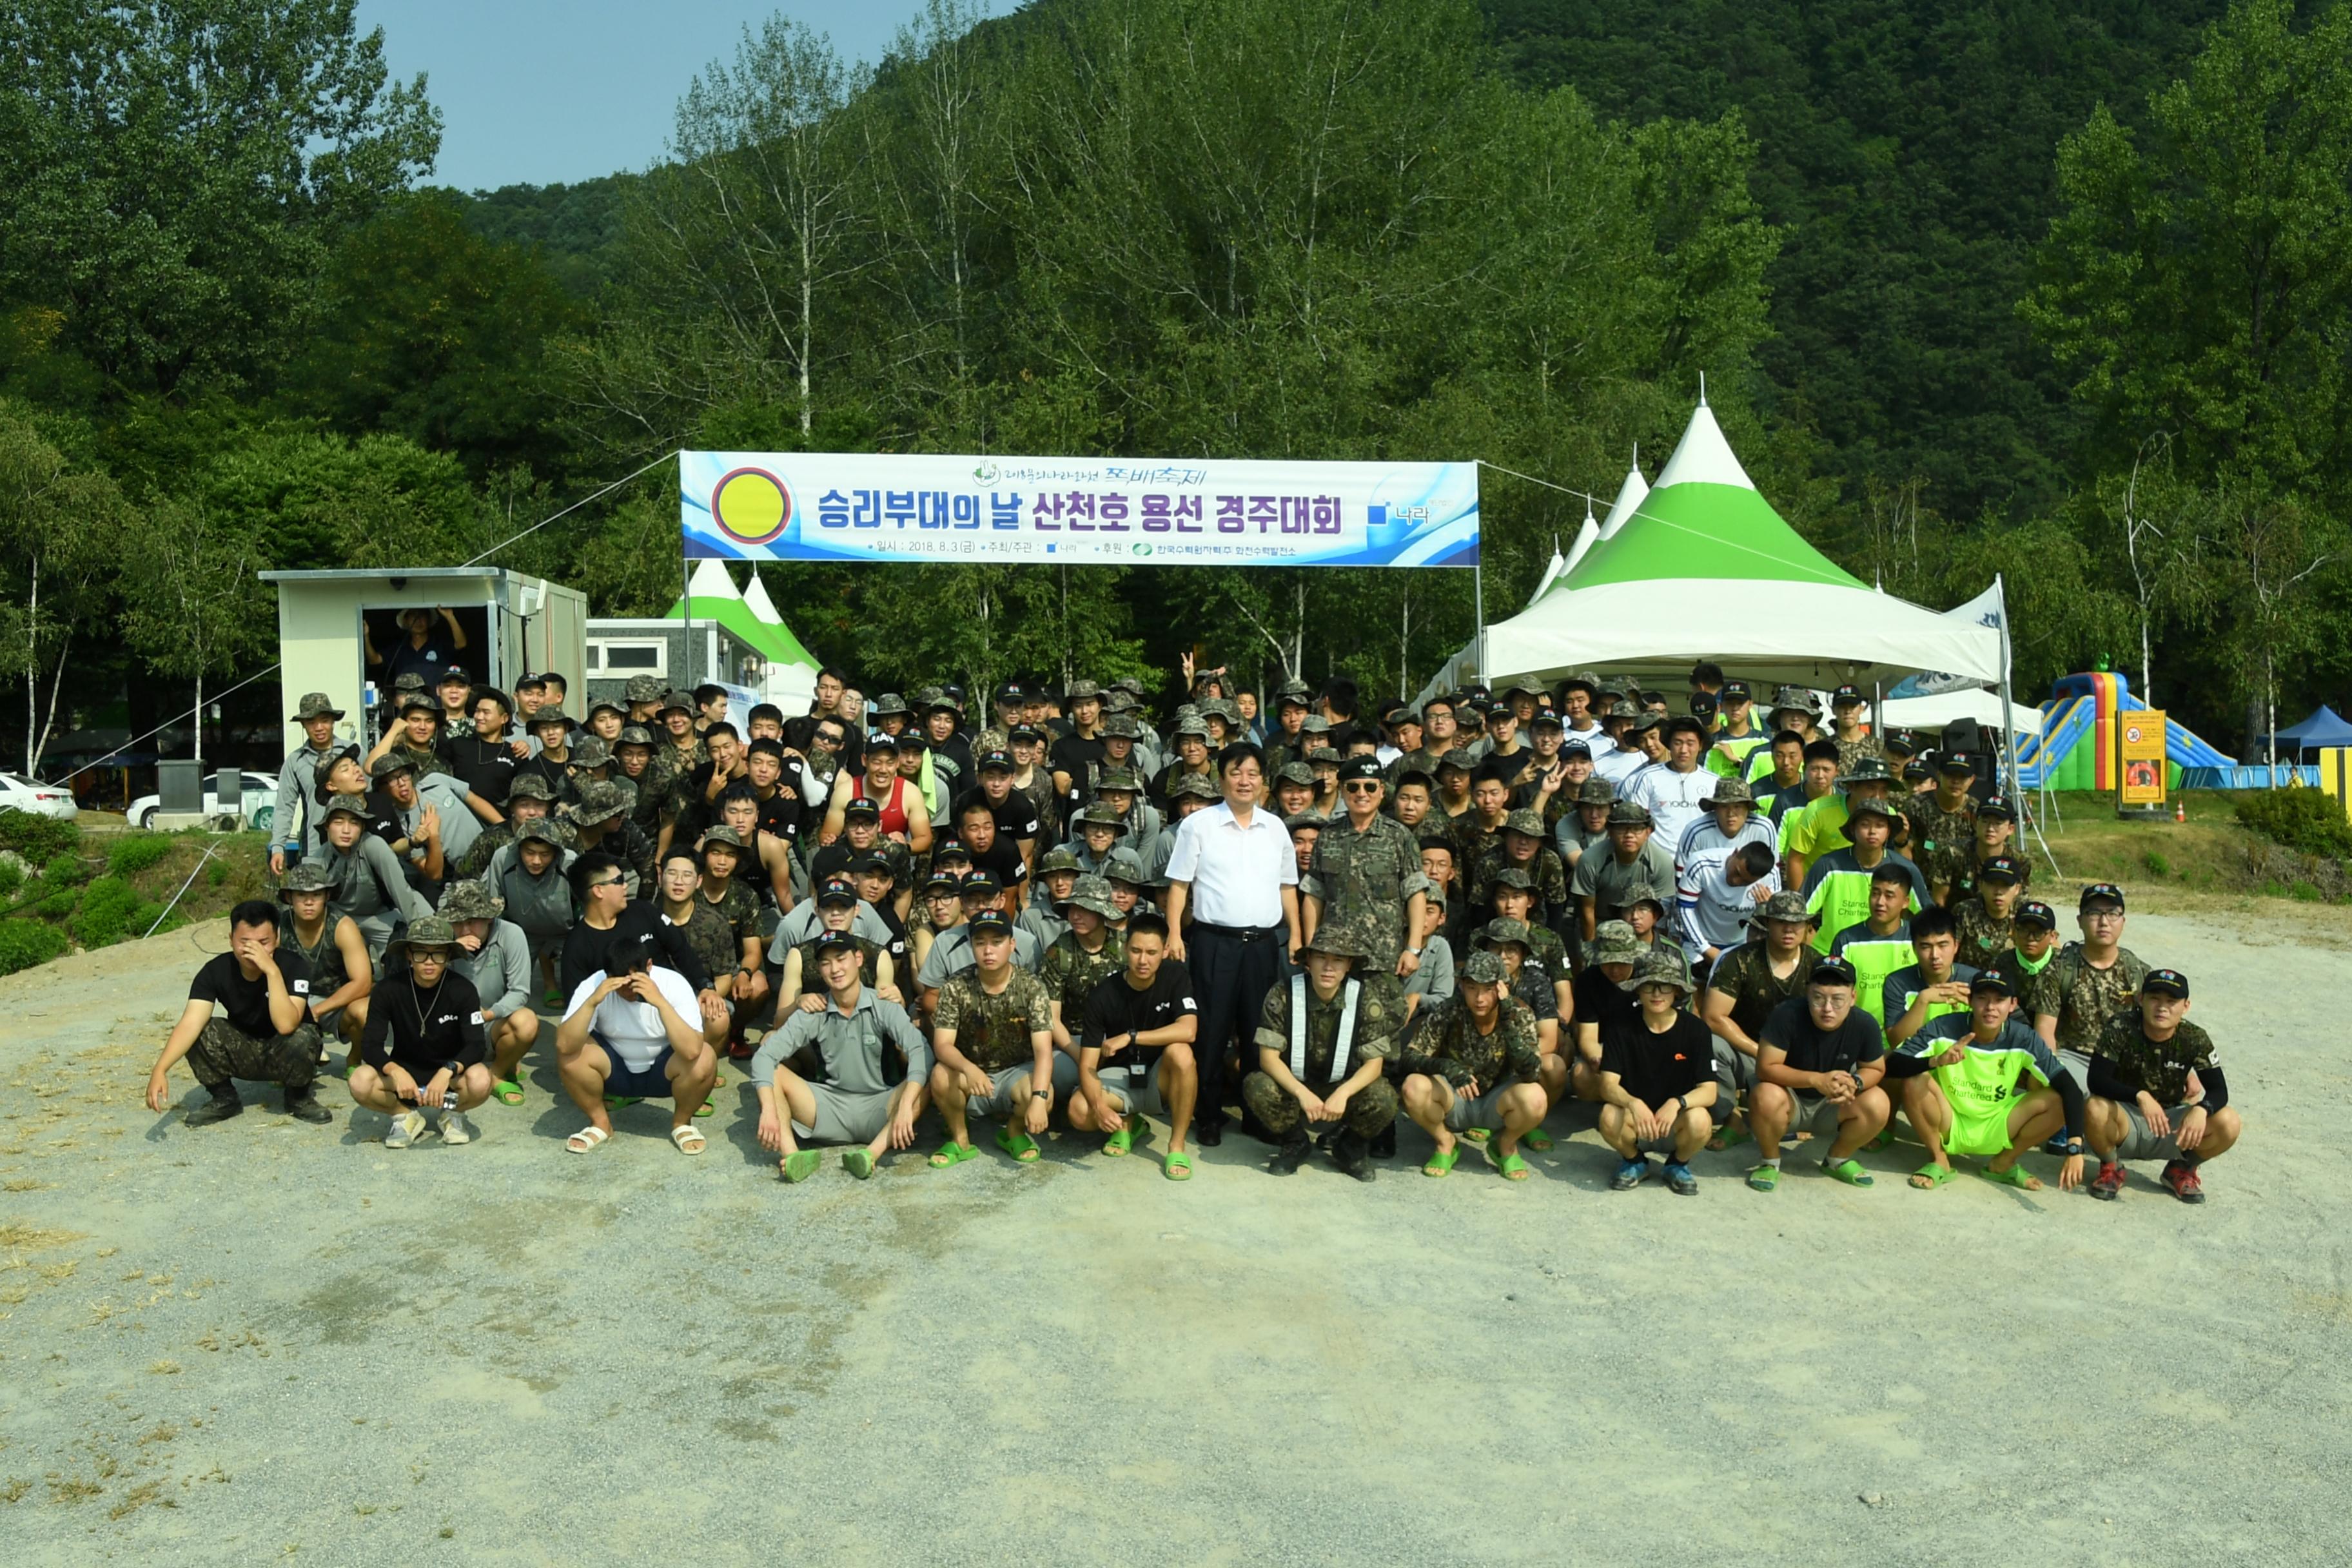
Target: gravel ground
x=265, y=1338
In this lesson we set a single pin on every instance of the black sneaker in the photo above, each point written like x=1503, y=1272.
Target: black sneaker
x=1351, y=1154
x=1210, y=1130
x=1384, y=1142
x=1291, y=1156
x=304, y=1106
x=219, y=1108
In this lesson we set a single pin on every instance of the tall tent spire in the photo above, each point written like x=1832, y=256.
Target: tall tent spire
x=1629, y=497
x=756, y=600
x=711, y=581
x=1704, y=457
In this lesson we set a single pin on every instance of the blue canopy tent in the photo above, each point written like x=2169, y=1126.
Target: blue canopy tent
x=2322, y=730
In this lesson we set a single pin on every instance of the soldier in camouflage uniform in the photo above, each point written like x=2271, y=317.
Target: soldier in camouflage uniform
x=528, y=799
x=998, y=737
x=599, y=818
x=633, y=756
x=1193, y=761
x=1287, y=740
x=1316, y=1077
x=1367, y=867
x=415, y=740
x=1982, y=922
x=2096, y=980
x=1523, y=844
x=1294, y=790
x=1513, y=898
x=724, y=853
x=1853, y=741
x=1943, y=826
x=678, y=749
x=1056, y=877
x=1089, y=953
x=703, y=925
x=2031, y=964
x=993, y=1034
x=1474, y=1060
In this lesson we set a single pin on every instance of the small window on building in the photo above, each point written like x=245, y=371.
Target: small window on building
x=650, y=657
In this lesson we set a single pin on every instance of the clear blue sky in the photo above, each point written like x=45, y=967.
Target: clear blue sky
x=538, y=91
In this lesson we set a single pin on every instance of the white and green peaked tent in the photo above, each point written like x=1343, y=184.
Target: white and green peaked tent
x=1701, y=567
x=750, y=618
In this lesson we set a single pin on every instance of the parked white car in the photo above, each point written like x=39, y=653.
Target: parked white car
x=259, y=803
x=18, y=792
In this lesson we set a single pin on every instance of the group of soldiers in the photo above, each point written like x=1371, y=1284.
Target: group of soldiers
x=1713, y=921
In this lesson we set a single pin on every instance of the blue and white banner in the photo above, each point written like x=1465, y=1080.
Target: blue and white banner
x=828, y=506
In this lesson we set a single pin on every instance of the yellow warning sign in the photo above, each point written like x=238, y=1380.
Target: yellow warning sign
x=2140, y=746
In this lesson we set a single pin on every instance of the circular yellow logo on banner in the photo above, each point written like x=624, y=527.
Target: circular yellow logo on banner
x=750, y=506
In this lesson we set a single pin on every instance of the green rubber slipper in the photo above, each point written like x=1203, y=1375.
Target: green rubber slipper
x=953, y=1153
x=1475, y=1135
x=1019, y=1145
x=800, y=1165
x=1729, y=1136
x=1935, y=1176
x=2015, y=1177
x=509, y=1091
x=1885, y=1140
x=1177, y=1167
x=619, y=1101
x=1536, y=1139
x=1848, y=1171
x=1512, y=1166
x=1764, y=1178
x=858, y=1162
x=1442, y=1165
x=1120, y=1143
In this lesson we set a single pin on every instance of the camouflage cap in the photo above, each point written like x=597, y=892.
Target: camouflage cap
x=1596, y=791
x=1118, y=699
x=1629, y=814
x=471, y=901
x=1795, y=699
x=348, y=805
x=1622, y=708
x=539, y=829
x=1525, y=821
x=642, y=688
x=1785, y=906
x=1869, y=805
x=1061, y=859
x=590, y=752
x=1645, y=718
x=600, y=800
x=1340, y=939
x=418, y=702
x=1503, y=930
x=1195, y=786
x=1324, y=756
x=1868, y=768
x=634, y=735
x=410, y=680
x=1613, y=942
x=424, y=931
x=1459, y=757
x=1119, y=778
x=550, y=713
x=1294, y=774
x=1483, y=968
x=1082, y=691
x=1299, y=819
x=317, y=705
x=890, y=704
x=1732, y=792
x=1659, y=966
x=1316, y=724
x=1223, y=708
x=1091, y=894
x=1190, y=724
x=1122, y=866
x=304, y=877
x=1129, y=685
x=391, y=762
x=1513, y=877
x=1294, y=691
x=530, y=786
x=1122, y=726
x=1102, y=815
x=722, y=834
x=674, y=702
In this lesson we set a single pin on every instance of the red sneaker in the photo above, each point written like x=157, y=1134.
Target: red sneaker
x=2109, y=1182
x=2180, y=1179
x=738, y=1049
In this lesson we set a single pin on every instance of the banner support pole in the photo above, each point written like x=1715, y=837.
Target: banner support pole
x=686, y=602
x=1478, y=602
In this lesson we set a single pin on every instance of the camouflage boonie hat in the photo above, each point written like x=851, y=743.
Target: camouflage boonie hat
x=634, y=735
x=471, y=901
x=349, y=804
x=642, y=688
x=1659, y=966
x=890, y=704
x=1733, y=792
x=1629, y=814
x=1193, y=725
x=1119, y=778
x=1646, y=718
x=1081, y=690
x=540, y=829
x=1195, y=784
x=1870, y=806
x=1513, y=877
x=1102, y=815
x=391, y=762
x=1053, y=861
x=1525, y=821
x=1613, y=943
x=1294, y=774
x=1622, y=708
x=1342, y=940
x=1501, y=929
x=1091, y=894
x=1785, y=906
x=1128, y=684
x=1292, y=691
x=1122, y=866
x=1868, y=768
x=424, y=931
x=414, y=702
x=304, y=877
x=530, y=786
x=1316, y=724
x=1323, y=756
x=551, y=714
x=590, y=752
x=1223, y=708
x=1123, y=726
x=410, y=680
x=599, y=802
x=1460, y=757
x=1484, y=968
x=1796, y=700
x=317, y=705
x=721, y=834
x=1596, y=791
x=1118, y=699
x=677, y=701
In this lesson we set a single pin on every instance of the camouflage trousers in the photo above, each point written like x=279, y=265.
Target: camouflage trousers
x=223, y=1052
x=1369, y=1112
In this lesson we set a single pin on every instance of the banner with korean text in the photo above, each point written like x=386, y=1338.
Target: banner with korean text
x=822, y=506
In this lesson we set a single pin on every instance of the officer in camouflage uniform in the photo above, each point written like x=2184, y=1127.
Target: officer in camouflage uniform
x=1474, y=1060
x=993, y=1024
x=1297, y=1076
x=1944, y=827
x=1367, y=867
x=1523, y=844
x=1983, y=921
x=1070, y=969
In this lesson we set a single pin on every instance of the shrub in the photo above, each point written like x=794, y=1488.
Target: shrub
x=37, y=838
x=2301, y=819
x=66, y=870
x=135, y=852
x=218, y=875
x=11, y=877
x=23, y=944
x=106, y=908
x=2157, y=864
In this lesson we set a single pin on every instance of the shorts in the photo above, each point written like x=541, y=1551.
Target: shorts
x=1138, y=1088
x=2142, y=1144
x=844, y=1117
x=1484, y=1112
x=998, y=1104
x=1973, y=1131
x=2078, y=1067
x=1735, y=1075
x=1817, y=1116
x=650, y=1082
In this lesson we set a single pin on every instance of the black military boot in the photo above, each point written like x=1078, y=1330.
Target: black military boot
x=303, y=1106
x=223, y=1105
x=1353, y=1155
x=1292, y=1153
x=1384, y=1142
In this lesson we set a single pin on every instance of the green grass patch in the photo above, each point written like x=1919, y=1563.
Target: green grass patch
x=23, y=944
x=131, y=853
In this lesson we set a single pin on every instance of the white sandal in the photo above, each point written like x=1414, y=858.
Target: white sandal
x=678, y=1135
x=585, y=1140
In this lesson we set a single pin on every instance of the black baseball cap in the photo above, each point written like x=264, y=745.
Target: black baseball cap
x=1956, y=763
x=2034, y=912
x=836, y=890
x=981, y=884
x=994, y=762
x=942, y=882
x=2100, y=892
x=1998, y=808
x=1846, y=694
x=989, y=922
x=881, y=741
x=859, y=806
x=1356, y=768
x=1735, y=691
x=2164, y=982
x=1992, y=980
x=834, y=941
x=2001, y=868
x=1832, y=971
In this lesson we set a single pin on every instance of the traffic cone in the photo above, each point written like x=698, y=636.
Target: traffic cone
x=2181, y=811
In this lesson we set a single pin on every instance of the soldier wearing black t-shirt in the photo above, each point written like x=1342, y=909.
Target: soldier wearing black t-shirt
x=1598, y=998
x=425, y=1051
x=1657, y=1078
x=1138, y=1029
x=1819, y=1065
x=486, y=760
x=248, y=1018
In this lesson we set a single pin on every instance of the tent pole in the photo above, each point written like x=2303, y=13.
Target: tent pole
x=1478, y=600
x=685, y=602
x=2008, y=721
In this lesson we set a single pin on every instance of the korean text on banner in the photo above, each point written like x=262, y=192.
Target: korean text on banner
x=785, y=506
